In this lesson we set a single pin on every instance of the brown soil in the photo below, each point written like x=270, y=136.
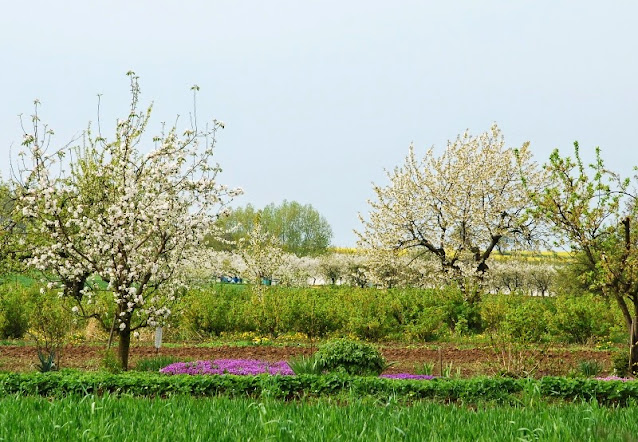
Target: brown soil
x=470, y=362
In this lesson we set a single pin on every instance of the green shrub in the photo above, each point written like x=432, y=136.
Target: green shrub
x=457, y=310
x=50, y=326
x=494, y=309
x=620, y=362
x=579, y=319
x=525, y=320
x=351, y=357
x=418, y=314
x=370, y=313
x=14, y=314
x=315, y=312
x=426, y=327
x=210, y=312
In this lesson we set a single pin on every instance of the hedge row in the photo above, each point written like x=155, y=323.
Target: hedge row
x=409, y=314
x=502, y=390
x=397, y=314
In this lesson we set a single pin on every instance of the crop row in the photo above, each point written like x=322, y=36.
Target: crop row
x=224, y=419
x=412, y=315
x=397, y=314
x=503, y=390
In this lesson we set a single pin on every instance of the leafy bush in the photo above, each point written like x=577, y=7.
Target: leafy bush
x=59, y=384
x=525, y=320
x=579, y=319
x=351, y=357
x=110, y=362
x=494, y=309
x=370, y=314
x=51, y=324
x=462, y=315
x=14, y=314
x=210, y=311
x=418, y=313
x=315, y=312
x=620, y=361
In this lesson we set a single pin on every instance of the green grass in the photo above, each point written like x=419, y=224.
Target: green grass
x=221, y=419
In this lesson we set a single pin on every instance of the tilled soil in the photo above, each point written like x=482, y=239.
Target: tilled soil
x=466, y=362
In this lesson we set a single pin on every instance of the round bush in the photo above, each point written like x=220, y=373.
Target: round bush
x=352, y=357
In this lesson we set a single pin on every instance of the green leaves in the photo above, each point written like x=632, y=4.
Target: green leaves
x=503, y=390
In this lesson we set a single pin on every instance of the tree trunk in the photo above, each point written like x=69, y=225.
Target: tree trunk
x=633, y=347
x=124, y=346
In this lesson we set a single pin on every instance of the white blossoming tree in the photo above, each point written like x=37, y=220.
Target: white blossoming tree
x=457, y=207
x=120, y=215
x=262, y=255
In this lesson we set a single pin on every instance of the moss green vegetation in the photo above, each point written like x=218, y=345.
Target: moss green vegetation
x=222, y=419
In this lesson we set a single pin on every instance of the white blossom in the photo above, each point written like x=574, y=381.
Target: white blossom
x=122, y=215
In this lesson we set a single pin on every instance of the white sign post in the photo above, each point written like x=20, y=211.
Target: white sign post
x=158, y=339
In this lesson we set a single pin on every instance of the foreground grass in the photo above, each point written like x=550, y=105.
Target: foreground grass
x=187, y=418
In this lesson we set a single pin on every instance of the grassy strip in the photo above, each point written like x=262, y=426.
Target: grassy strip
x=222, y=419
x=474, y=390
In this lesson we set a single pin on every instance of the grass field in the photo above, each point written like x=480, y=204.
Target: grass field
x=221, y=419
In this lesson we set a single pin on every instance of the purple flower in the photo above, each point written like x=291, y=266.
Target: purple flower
x=424, y=377
x=614, y=378
x=229, y=366
x=252, y=367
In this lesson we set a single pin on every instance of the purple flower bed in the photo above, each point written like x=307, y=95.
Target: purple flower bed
x=614, y=378
x=252, y=367
x=229, y=366
x=424, y=377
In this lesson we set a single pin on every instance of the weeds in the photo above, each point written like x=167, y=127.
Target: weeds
x=590, y=368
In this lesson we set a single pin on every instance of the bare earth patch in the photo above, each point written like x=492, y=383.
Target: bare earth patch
x=470, y=362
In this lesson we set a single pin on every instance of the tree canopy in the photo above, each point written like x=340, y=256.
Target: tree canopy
x=456, y=207
x=122, y=214
x=594, y=212
x=300, y=229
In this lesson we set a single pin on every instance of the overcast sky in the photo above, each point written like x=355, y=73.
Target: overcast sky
x=319, y=97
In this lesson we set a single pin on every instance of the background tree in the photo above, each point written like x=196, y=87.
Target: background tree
x=120, y=215
x=300, y=228
x=12, y=254
x=457, y=207
x=229, y=229
x=594, y=214
x=262, y=255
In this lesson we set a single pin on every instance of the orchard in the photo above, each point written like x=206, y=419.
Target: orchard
x=479, y=275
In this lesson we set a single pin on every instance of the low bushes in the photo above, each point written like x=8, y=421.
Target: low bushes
x=505, y=390
x=402, y=314
x=406, y=314
x=14, y=311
